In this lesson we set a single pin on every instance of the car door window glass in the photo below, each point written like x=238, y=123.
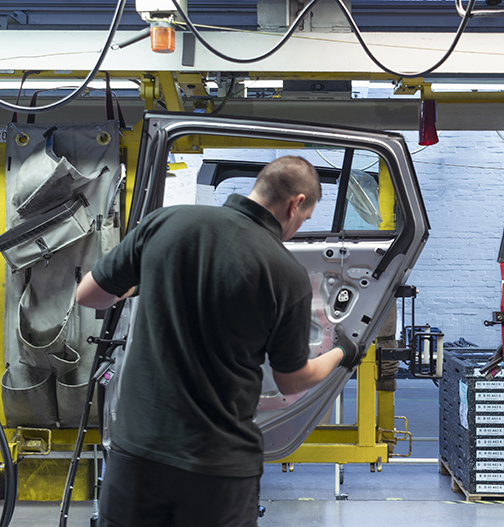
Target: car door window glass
x=369, y=203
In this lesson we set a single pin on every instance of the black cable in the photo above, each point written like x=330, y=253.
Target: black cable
x=226, y=98
x=273, y=50
x=10, y=481
x=445, y=57
x=354, y=27
x=41, y=109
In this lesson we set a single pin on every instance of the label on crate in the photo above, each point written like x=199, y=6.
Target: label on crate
x=489, y=431
x=489, y=454
x=490, y=442
x=497, y=408
x=490, y=419
x=475, y=372
x=463, y=406
x=489, y=476
x=490, y=465
x=481, y=489
x=490, y=396
x=489, y=385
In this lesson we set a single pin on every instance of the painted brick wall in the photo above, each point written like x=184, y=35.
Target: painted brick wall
x=457, y=275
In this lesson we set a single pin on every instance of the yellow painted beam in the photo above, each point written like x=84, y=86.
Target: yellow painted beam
x=44, y=480
x=192, y=84
x=253, y=75
x=385, y=416
x=196, y=144
x=366, y=398
x=171, y=92
x=150, y=90
x=333, y=434
x=63, y=437
x=337, y=453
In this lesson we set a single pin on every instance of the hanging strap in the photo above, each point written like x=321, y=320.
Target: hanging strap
x=26, y=74
x=109, y=106
x=33, y=103
x=120, y=116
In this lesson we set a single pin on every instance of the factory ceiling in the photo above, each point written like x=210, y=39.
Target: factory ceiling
x=370, y=15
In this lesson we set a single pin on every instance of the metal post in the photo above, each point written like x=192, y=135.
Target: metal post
x=338, y=469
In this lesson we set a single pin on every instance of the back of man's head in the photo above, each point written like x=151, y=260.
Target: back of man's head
x=286, y=177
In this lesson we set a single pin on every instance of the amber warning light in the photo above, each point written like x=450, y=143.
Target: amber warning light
x=162, y=37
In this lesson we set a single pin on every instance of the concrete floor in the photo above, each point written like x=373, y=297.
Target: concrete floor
x=415, y=493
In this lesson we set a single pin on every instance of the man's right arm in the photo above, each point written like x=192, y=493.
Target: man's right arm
x=314, y=371
x=346, y=353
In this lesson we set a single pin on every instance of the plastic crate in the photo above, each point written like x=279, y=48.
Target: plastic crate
x=471, y=422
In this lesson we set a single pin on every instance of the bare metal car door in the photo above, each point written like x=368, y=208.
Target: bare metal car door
x=359, y=248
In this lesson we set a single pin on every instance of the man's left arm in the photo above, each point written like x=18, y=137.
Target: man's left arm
x=114, y=277
x=90, y=294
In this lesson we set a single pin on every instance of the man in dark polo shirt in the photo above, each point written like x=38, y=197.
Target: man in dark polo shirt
x=219, y=292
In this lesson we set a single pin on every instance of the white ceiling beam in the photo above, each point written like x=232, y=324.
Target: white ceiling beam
x=476, y=54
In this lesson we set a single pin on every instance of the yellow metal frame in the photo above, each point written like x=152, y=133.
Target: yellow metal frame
x=364, y=442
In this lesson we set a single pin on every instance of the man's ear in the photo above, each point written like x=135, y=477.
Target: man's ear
x=301, y=199
x=295, y=202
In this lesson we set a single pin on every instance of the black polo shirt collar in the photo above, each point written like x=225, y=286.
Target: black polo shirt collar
x=256, y=212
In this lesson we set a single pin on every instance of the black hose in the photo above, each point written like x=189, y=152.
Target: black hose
x=41, y=109
x=273, y=50
x=355, y=29
x=226, y=98
x=441, y=61
x=11, y=476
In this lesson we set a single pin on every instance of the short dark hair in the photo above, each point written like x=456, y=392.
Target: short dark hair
x=289, y=176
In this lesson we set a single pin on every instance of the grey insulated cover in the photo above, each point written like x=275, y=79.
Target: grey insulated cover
x=62, y=216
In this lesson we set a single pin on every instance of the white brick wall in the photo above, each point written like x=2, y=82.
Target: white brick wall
x=458, y=277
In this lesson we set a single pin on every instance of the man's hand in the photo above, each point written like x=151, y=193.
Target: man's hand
x=352, y=352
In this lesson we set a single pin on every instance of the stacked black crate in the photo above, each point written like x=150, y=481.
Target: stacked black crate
x=471, y=419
